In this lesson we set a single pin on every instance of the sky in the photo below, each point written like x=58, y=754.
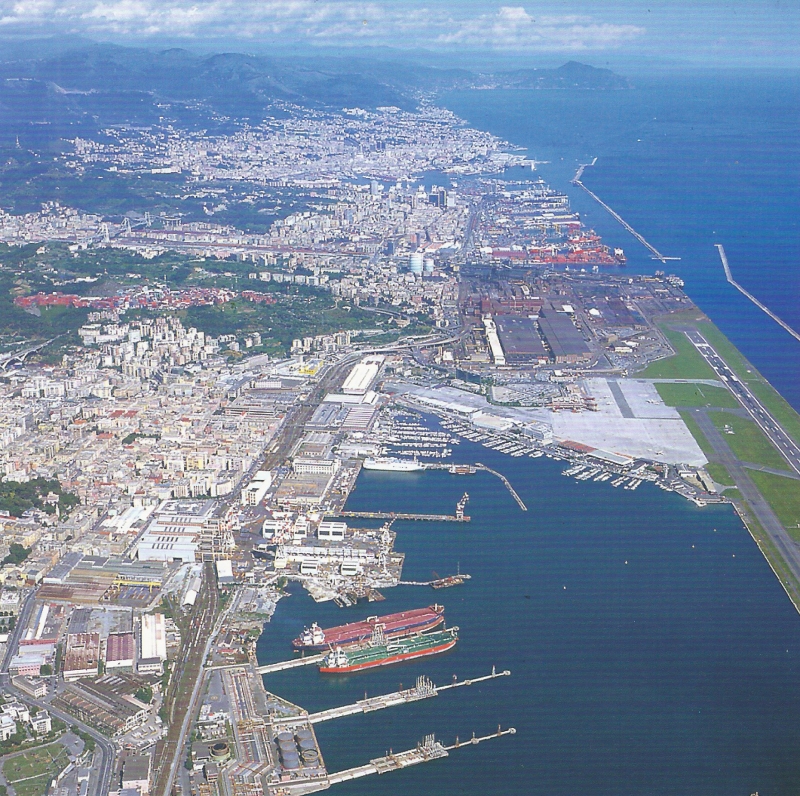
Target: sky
x=711, y=32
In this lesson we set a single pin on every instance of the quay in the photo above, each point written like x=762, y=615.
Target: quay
x=748, y=294
x=424, y=689
x=506, y=482
x=292, y=663
x=576, y=180
x=396, y=515
x=429, y=749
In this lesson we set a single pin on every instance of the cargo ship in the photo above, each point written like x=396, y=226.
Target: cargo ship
x=393, y=465
x=399, y=625
x=341, y=661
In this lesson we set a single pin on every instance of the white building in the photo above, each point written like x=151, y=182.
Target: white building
x=332, y=531
x=314, y=466
x=7, y=727
x=153, y=643
x=361, y=377
x=175, y=531
x=255, y=491
x=41, y=723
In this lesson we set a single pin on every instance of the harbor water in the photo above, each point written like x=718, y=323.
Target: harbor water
x=652, y=650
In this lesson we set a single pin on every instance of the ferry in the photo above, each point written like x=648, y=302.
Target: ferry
x=342, y=661
x=393, y=626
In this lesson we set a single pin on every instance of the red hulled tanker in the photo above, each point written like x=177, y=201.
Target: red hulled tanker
x=393, y=626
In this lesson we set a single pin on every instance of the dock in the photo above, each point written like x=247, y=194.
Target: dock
x=292, y=663
x=749, y=295
x=505, y=481
x=424, y=689
x=459, y=516
x=429, y=749
x=576, y=180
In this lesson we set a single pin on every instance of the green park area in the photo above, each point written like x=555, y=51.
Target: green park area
x=719, y=472
x=677, y=394
x=783, y=494
x=30, y=773
x=685, y=364
x=747, y=440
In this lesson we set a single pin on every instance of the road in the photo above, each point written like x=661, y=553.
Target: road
x=774, y=431
x=762, y=510
x=101, y=784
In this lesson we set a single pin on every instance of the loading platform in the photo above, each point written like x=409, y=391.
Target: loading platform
x=429, y=749
x=424, y=689
x=397, y=515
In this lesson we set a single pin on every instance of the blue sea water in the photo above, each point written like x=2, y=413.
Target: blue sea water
x=652, y=649
x=689, y=160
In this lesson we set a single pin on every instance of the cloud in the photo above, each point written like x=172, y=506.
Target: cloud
x=513, y=28
x=401, y=23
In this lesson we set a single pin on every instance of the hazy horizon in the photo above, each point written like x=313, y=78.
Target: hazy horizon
x=624, y=34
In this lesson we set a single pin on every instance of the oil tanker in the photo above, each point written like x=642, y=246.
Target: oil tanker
x=393, y=626
x=356, y=659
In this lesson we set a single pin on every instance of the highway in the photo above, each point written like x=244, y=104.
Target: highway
x=774, y=431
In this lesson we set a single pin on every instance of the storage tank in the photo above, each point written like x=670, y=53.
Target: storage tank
x=310, y=756
x=306, y=743
x=427, y=268
x=284, y=735
x=290, y=761
x=416, y=263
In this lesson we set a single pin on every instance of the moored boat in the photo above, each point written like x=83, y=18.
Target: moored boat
x=355, y=659
x=393, y=626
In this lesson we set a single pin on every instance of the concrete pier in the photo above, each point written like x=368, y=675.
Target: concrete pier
x=748, y=294
x=429, y=749
x=292, y=663
x=506, y=482
x=396, y=515
x=424, y=689
x=576, y=180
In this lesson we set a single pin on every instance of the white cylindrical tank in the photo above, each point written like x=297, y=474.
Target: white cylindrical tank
x=415, y=263
x=428, y=266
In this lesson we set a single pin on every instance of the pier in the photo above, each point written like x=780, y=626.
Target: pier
x=292, y=663
x=507, y=483
x=576, y=180
x=459, y=516
x=424, y=689
x=429, y=749
x=749, y=295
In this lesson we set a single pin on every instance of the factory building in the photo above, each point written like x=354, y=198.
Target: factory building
x=362, y=376
x=520, y=340
x=565, y=341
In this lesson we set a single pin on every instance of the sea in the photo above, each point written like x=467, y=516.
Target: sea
x=651, y=649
